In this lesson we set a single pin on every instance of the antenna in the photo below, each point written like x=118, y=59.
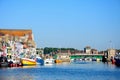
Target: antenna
x=110, y=44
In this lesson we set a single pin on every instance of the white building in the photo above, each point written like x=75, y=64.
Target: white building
x=87, y=50
x=111, y=53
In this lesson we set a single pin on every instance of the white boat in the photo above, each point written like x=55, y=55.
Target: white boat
x=49, y=61
x=88, y=59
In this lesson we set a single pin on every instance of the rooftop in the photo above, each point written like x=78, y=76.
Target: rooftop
x=15, y=32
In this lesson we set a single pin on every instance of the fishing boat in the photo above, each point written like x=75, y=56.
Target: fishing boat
x=14, y=62
x=28, y=62
x=36, y=61
x=3, y=61
x=117, y=59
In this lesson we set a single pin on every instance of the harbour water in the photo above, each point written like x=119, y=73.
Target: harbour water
x=64, y=71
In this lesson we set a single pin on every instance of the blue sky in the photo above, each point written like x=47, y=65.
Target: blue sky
x=65, y=23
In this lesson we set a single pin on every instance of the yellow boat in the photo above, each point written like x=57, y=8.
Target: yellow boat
x=27, y=61
x=58, y=61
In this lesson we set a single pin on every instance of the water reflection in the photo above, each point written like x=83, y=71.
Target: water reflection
x=29, y=66
x=25, y=77
x=89, y=71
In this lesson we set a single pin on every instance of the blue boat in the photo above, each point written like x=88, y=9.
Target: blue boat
x=39, y=61
x=117, y=59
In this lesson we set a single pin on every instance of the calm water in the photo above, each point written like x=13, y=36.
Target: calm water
x=66, y=71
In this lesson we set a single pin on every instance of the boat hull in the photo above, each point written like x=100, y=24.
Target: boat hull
x=58, y=61
x=117, y=62
x=4, y=64
x=28, y=62
x=49, y=61
x=3, y=61
x=40, y=61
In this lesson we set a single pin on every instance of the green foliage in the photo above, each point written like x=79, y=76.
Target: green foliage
x=118, y=50
x=48, y=50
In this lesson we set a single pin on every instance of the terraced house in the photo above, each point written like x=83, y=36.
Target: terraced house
x=17, y=43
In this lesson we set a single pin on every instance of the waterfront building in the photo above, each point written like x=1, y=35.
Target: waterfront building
x=40, y=52
x=111, y=53
x=87, y=50
x=17, y=43
x=94, y=51
x=64, y=55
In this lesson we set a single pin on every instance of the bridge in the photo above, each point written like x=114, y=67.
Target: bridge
x=84, y=55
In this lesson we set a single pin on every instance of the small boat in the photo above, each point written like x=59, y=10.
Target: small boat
x=98, y=60
x=3, y=61
x=49, y=61
x=80, y=61
x=14, y=63
x=104, y=59
x=88, y=59
x=28, y=62
x=94, y=59
x=58, y=61
x=117, y=59
x=39, y=61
